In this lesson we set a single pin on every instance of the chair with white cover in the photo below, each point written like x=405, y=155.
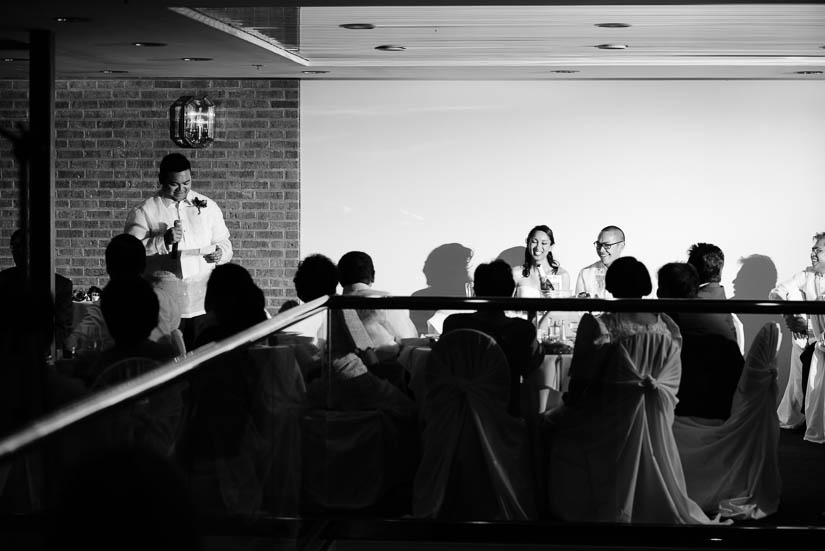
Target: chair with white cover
x=613, y=457
x=279, y=404
x=154, y=421
x=732, y=466
x=475, y=463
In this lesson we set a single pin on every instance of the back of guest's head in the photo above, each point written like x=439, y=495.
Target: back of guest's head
x=678, y=280
x=234, y=298
x=125, y=256
x=315, y=277
x=130, y=309
x=288, y=305
x=356, y=267
x=494, y=280
x=628, y=278
x=708, y=259
x=172, y=163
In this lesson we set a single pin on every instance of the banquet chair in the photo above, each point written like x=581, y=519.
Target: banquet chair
x=279, y=403
x=613, y=457
x=154, y=421
x=731, y=466
x=475, y=461
x=357, y=460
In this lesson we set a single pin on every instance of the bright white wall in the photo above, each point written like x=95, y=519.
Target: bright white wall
x=397, y=168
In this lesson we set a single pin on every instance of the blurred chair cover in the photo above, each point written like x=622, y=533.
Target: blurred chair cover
x=732, y=466
x=228, y=451
x=790, y=409
x=355, y=459
x=280, y=404
x=476, y=462
x=613, y=457
x=153, y=421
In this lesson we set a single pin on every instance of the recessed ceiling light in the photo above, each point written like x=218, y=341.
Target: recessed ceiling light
x=612, y=25
x=196, y=59
x=808, y=72
x=564, y=71
x=148, y=44
x=113, y=71
x=12, y=59
x=390, y=48
x=68, y=19
x=314, y=72
x=357, y=26
x=612, y=46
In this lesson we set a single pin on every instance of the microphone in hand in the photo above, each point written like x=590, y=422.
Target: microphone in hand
x=174, y=253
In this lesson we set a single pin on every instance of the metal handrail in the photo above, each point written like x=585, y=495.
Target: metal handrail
x=54, y=421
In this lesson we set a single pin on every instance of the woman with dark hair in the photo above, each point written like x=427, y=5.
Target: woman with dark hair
x=540, y=273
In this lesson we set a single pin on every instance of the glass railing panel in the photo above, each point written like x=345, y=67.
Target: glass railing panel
x=319, y=418
x=546, y=386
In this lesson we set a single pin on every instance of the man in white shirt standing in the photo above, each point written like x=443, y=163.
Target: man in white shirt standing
x=184, y=233
x=609, y=246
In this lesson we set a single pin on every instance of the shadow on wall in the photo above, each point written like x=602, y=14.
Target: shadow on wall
x=514, y=256
x=754, y=281
x=446, y=273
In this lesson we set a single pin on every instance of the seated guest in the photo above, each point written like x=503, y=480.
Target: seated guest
x=234, y=302
x=316, y=276
x=224, y=441
x=613, y=455
x=711, y=361
x=516, y=336
x=12, y=281
x=125, y=257
x=385, y=327
x=708, y=259
x=609, y=246
x=130, y=310
x=681, y=280
x=540, y=273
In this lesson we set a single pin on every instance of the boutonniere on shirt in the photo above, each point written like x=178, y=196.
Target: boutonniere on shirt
x=199, y=203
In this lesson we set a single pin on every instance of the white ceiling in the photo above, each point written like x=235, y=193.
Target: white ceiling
x=254, y=39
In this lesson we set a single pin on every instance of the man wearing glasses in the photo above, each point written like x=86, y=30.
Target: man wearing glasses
x=609, y=247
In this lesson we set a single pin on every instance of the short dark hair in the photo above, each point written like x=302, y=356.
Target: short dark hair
x=315, y=277
x=678, y=280
x=628, y=278
x=172, y=163
x=708, y=259
x=130, y=308
x=494, y=279
x=125, y=256
x=356, y=267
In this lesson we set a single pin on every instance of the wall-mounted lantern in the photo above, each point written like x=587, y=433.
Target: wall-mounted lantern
x=192, y=121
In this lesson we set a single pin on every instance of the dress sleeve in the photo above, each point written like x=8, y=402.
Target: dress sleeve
x=790, y=289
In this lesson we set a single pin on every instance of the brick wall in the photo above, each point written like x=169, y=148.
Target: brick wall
x=111, y=134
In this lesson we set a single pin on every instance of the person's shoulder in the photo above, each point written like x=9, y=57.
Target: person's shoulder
x=458, y=321
x=561, y=271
